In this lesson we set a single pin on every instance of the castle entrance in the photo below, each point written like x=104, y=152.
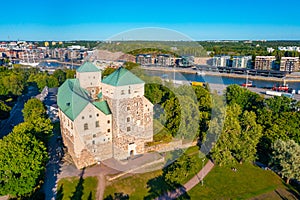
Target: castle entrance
x=131, y=149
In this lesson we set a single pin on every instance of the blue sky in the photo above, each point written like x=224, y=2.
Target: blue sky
x=99, y=20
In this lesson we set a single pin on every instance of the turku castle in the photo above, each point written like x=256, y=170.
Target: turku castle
x=102, y=119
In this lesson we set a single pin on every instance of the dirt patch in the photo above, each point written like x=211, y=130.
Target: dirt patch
x=278, y=194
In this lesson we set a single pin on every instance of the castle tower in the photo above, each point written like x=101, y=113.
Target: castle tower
x=132, y=113
x=89, y=77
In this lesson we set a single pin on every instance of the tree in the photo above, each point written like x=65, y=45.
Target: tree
x=107, y=71
x=33, y=108
x=4, y=110
x=70, y=73
x=239, y=138
x=189, y=122
x=22, y=163
x=173, y=115
x=223, y=151
x=60, y=75
x=36, y=120
x=246, y=99
x=286, y=159
x=14, y=83
x=43, y=79
x=249, y=137
x=180, y=169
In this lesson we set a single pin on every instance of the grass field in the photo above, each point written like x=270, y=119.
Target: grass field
x=248, y=181
x=221, y=183
x=148, y=185
x=75, y=188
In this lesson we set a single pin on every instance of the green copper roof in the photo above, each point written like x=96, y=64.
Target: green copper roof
x=103, y=106
x=100, y=95
x=71, y=98
x=88, y=67
x=122, y=77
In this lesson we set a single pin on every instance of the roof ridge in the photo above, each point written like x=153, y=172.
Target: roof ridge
x=118, y=74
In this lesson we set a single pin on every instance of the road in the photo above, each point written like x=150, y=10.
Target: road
x=220, y=88
x=16, y=115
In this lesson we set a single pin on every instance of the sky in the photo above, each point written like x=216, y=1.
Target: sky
x=58, y=20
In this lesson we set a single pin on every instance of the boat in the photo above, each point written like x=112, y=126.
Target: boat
x=32, y=64
x=200, y=73
x=248, y=84
x=281, y=87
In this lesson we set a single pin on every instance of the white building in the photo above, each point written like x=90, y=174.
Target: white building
x=241, y=61
x=221, y=61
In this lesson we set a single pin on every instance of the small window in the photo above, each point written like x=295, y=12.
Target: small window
x=97, y=114
x=108, y=130
x=91, y=83
x=108, y=139
x=128, y=108
x=90, y=116
x=94, y=77
x=108, y=121
x=93, y=142
x=82, y=117
x=97, y=124
x=72, y=125
x=122, y=92
x=128, y=119
x=103, y=140
x=128, y=129
x=94, y=135
x=94, y=150
x=86, y=126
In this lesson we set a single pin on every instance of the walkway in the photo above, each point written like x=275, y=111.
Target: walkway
x=190, y=184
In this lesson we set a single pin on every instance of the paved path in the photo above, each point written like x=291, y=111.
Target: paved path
x=101, y=187
x=16, y=115
x=56, y=171
x=190, y=184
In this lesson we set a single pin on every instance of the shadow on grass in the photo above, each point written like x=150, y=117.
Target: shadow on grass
x=117, y=196
x=77, y=195
x=60, y=193
x=90, y=196
x=293, y=188
x=161, y=189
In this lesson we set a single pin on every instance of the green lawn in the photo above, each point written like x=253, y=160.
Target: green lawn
x=248, y=181
x=75, y=188
x=135, y=186
x=221, y=183
x=148, y=185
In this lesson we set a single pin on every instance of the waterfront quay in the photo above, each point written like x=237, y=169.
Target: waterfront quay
x=229, y=74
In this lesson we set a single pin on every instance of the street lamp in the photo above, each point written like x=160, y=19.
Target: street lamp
x=247, y=78
x=202, y=175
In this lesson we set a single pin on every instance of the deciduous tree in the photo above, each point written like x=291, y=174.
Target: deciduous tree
x=22, y=163
x=286, y=159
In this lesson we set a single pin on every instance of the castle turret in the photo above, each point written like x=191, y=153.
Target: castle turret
x=89, y=77
x=132, y=112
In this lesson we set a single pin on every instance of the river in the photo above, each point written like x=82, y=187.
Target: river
x=218, y=79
